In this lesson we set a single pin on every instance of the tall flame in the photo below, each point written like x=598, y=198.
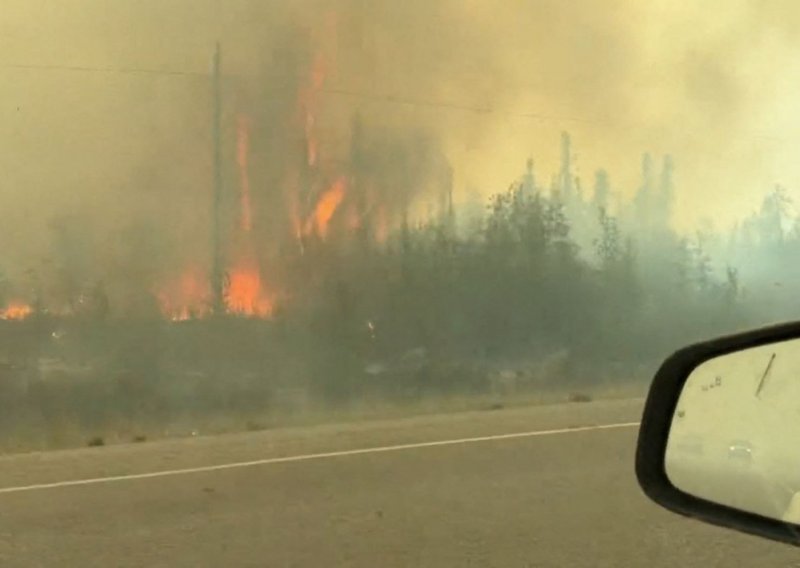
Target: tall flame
x=245, y=293
x=326, y=206
x=304, y=223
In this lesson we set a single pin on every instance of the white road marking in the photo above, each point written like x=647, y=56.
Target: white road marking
x=318, y=456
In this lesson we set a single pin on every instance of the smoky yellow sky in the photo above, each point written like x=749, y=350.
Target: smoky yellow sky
x=713, y=83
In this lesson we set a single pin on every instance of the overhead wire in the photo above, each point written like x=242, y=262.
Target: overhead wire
x=374, y=97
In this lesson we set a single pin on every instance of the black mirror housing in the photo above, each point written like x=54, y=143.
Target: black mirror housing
x=660, y=406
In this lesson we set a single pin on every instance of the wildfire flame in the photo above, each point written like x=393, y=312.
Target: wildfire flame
x=326, y=206
x=186, y=297
x=303, y=222
x=249, y=289
x=16, y=311
x=245, y=294
x=246, y=290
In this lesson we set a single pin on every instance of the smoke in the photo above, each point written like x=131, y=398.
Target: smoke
x=398, y=93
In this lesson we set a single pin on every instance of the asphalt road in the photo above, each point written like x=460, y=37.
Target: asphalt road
x=556, y=499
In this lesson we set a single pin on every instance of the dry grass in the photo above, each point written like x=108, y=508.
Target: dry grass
x=40, y=435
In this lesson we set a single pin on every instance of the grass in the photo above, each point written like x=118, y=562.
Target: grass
x=40, y=435
x=132, y=383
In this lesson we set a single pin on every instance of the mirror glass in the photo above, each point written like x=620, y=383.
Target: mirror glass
x=733, y=438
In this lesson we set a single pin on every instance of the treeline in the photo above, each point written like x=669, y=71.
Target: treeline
x=541, y=273
x=551, y=288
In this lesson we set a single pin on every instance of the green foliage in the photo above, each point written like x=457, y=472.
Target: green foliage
x=608, y=246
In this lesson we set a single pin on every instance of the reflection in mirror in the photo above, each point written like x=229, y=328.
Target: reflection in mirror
x=733, y=438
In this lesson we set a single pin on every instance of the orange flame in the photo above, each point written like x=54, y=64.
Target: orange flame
x=16, y=311
x=246, y=295
x=326, y=206
x=308, y=103
x=242, y=154
x=186, y=297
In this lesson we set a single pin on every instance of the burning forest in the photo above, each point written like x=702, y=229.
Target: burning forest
x=291, y=194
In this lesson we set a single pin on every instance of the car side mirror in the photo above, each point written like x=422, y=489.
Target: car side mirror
x=717, y=438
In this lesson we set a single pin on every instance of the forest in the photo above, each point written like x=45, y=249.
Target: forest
x=537, y=289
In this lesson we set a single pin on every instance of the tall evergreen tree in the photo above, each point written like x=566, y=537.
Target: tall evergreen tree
x=602, y=190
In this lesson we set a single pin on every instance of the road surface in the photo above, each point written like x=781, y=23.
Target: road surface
x=551, y=497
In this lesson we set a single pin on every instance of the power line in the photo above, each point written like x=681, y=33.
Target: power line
x=385, y=98
x=109, y=70
x=456, y=106
x=375, y=97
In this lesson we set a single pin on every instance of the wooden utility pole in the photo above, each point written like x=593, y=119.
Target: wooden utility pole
x=217, y=269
